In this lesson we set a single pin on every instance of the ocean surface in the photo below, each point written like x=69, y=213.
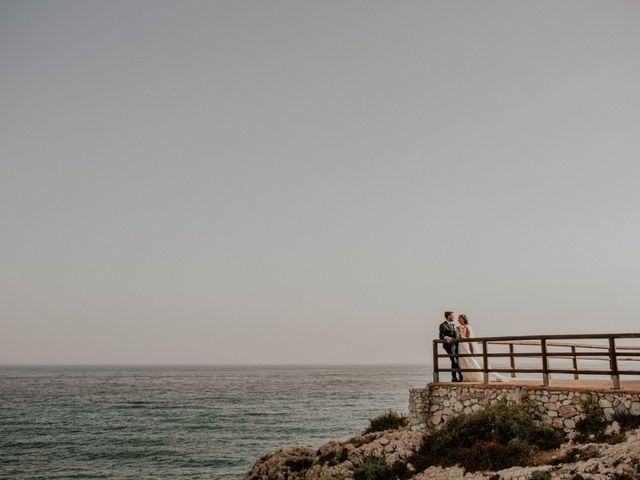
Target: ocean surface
x=182, y=422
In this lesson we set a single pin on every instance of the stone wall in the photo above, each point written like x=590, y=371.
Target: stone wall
x=431, y=406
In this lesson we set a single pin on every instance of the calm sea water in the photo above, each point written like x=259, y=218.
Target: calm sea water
x=182, y=422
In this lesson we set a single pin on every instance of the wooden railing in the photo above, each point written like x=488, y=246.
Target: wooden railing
x=545, y=348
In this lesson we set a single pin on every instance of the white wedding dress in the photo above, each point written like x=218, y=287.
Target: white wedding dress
x=472, y=362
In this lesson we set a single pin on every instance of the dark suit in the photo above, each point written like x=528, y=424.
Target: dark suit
x=449, y=330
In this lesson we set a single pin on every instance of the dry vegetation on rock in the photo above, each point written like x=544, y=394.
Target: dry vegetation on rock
x=501, y=442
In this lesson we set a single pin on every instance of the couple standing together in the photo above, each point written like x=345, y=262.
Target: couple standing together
x=450, y=332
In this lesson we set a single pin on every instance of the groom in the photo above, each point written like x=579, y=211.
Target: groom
x=448, y=334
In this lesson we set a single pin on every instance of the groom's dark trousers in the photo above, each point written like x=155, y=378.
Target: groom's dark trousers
x=448, y=330
x=452, y=351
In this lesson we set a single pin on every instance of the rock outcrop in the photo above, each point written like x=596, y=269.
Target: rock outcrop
x=339, y=460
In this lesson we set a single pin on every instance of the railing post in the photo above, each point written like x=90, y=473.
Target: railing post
x=512, y=361
x=545, y=363
x=485, y=363
x=575, y=363
x=436, y=374
x=613, y=362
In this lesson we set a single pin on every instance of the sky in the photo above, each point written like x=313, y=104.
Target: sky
x=286, y=182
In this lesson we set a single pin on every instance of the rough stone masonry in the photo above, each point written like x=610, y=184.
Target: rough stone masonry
x=431, y=406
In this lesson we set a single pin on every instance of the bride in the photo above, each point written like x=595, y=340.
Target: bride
x=464, y=331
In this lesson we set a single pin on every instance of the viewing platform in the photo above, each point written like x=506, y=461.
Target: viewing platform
x=556, y=374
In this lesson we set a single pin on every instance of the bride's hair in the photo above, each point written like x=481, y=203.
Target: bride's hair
x=463, y=317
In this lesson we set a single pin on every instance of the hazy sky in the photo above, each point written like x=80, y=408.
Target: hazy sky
x=313, y=182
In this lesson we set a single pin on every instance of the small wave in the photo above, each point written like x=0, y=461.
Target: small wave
x=25, y=445
x=206, y=463
x=82, y=475
x=201, y=427
x=131, y=405
x=131, y=454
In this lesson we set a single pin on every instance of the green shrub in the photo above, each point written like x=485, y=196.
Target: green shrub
x=373, y=468
x=502, y=435
x=540, y=475
x=592, y=426
x=626, y=420
x=492, y=455
x=400, y=470
x=390, y=420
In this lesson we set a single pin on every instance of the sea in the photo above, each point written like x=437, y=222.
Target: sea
x=176, y=422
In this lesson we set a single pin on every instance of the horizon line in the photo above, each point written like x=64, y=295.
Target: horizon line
x=212, y=364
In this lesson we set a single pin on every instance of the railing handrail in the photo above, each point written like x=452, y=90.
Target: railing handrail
x=563, y=344
x=611, y=355
x=577, y=336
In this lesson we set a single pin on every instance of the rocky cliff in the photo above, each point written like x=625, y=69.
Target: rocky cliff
x=344, y=460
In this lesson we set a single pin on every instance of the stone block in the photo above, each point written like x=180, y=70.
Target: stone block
x=605, y=403
x=566, y=411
